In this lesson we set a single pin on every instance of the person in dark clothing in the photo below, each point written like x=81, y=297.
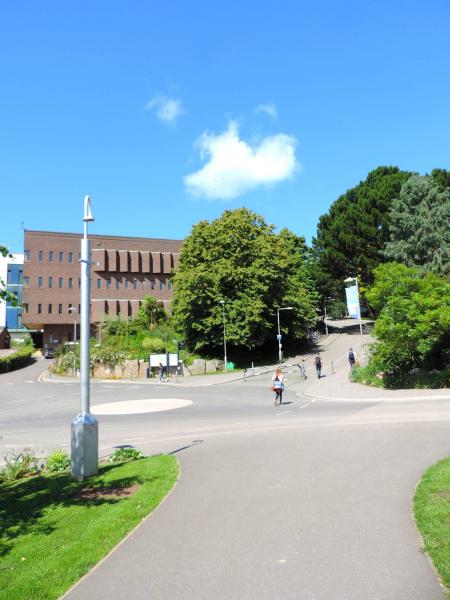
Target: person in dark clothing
x=318, y=365
x=351, y=359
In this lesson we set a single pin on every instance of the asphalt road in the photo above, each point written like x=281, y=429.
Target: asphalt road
x=309, y=500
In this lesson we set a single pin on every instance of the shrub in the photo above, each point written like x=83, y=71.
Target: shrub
x=19, y=466
x=106, y=356
x=17, y=360
x=125, y=455
x=153, y=345
x=66, y=361
x=58, y=461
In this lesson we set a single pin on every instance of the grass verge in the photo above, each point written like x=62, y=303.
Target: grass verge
x=51, y=534
x=432, y=514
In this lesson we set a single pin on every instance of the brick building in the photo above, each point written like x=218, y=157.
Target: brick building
x=124, y=270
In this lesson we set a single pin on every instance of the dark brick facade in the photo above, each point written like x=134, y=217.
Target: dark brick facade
x=124, y=270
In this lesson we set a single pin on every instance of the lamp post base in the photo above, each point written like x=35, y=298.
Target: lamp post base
x=84, y=446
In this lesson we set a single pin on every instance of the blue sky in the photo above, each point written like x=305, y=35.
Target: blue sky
x=168, y=114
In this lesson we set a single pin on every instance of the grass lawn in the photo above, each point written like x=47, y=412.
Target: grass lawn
x=432, y=513
x=51, y=535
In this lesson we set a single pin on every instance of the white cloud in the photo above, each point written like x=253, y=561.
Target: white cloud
x=166, y=109
x=269, y=109
x=235, y=167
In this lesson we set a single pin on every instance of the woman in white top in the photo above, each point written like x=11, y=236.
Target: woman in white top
x=278, y=386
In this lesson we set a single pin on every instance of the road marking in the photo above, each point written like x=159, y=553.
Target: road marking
x=304, y=405
x=136, y=407
x=285, y=412
x=29, y=381
x=9, y=383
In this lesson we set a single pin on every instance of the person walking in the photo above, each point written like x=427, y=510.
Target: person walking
x=318, y=365
x=278, y=386
x=351, y=359
x=161, y=373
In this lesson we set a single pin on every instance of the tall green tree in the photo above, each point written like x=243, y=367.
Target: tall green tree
x=420, y=224
x=239, y=259
x=352, y=235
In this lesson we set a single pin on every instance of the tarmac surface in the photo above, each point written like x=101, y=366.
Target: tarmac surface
x=307, y=500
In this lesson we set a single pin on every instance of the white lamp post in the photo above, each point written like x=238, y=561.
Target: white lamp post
x=84, y=430
x=73, y=310
x=355, y=279
x=280, y=352
x=222, y=302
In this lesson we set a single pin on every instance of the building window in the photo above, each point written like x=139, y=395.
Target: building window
x=169, y=285
x=79, y=282
x=70, y=306
x=70, y=282
x=135, y=284
x=60, y=282
x=25, y=309
x=79, y=309
x=26, y=281
x=152, y=284
x=40, y=281
x=26, y=255
x=99, y=284
x=117, y=284
x=39, y=309
x=50, y=282
x=60, y=256
x=50, y=256
x=161, y=284
x=59, y=309
x=125, y=281
x=70, y=257
x=108, y=284
x=41, y=255
x=50, y=308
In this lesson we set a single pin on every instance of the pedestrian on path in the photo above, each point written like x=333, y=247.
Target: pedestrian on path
x=351, y=359
x=161, y=373
x=278, y=386
x=318, y=365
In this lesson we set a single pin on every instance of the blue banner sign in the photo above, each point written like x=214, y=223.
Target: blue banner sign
x=352, y=301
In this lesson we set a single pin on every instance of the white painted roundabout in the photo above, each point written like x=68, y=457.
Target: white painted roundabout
x=137, y=407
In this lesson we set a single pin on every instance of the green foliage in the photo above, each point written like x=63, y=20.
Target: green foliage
x=150, y=314
x=153, y=345
x=19, y=465
x=125, y=455
x=351, y=236
x=431, y=510
x=104, y=355
x=66, y=362
x=419, y=225
x=58, y=461
x=16, y=360
x=239, y=259
x=413, y=329
x=4, y=294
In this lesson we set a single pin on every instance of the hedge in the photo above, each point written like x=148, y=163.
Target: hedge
x=19, y=359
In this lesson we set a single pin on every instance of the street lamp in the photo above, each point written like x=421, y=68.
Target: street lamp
x=222, y=302
x=73, y=311
x=84, y=429
x=280, y=353
x=325, y=309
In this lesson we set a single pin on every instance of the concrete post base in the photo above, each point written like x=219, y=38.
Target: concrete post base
x=84, y=446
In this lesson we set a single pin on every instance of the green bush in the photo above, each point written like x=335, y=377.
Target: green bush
x=125, y=455
x=66, y=361
x=17, y=360
x=19, y=466
x=58, y=461
x=153, y=345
